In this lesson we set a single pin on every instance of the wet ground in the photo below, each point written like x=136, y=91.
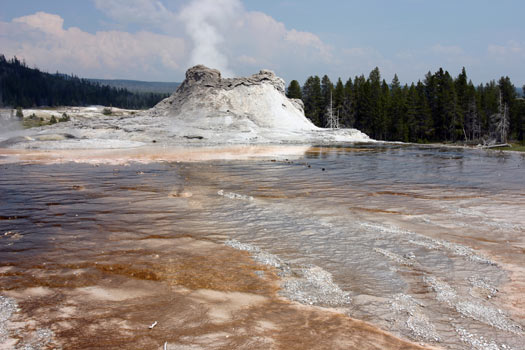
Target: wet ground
x=423, y=244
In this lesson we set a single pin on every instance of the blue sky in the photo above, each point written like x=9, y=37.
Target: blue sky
x=159, y=39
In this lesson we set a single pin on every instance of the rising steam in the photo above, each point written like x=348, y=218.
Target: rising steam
x=204, y=21
x=10, y=125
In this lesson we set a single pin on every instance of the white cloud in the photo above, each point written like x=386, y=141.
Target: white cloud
x=507, y=60
x=307, y=39
x=511, y=49
x=41, y=40
x=272, y=45
x=45, y=22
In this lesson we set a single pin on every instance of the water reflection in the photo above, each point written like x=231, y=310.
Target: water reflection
x=427, y=241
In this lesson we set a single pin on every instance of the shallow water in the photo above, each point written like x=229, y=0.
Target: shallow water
x=427, y=243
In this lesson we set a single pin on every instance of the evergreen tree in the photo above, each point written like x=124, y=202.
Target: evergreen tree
x=384, y=119
x=425, y=129
x=339, y=94
x=375, y=117
x=444, y=111
x=294, y=90
x=396, y=111
x=472, y=121
x=507, y=90
x=348, y=113
x=410, y=125
x=509, y=96
x=313, y=100
x=339, y=99
x=431, y=97
x=520, y=112
x=327, y=89
x=462, y=101
x=362, y=104
x=488, y=105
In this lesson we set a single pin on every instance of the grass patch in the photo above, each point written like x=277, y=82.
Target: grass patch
x=34, y=121
x=518, y=147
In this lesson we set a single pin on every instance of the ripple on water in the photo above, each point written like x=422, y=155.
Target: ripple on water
x=474, y=309
x=309, y=285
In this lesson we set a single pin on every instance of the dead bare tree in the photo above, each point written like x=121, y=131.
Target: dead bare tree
x=332, y=119
x=500, y=121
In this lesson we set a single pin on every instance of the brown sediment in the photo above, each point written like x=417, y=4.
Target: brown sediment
x=422, y=196
x=330, y=150
x=281, y=195
x=148, y=154
x=512, y=294
x=158, y=237
x=376, y=210
x=271, y=196
x=270, y=192
x=199, y=295
x=314, y=328
x=142, y=188
x=477, y=239
x=180, y=193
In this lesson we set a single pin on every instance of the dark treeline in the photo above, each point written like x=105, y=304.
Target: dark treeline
x=439, y=108
x=21, y=86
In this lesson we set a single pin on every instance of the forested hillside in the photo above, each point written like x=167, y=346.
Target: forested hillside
x=21, y=86
x=439, y=108
x=139, y=86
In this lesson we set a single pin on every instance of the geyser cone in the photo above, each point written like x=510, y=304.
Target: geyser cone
x=246, y=104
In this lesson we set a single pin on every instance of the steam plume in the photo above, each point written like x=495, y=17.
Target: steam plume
x=204, y=21
x=9, y=124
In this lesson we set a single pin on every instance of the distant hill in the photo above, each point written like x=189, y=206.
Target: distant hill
x=139, y=86
x=21, y=86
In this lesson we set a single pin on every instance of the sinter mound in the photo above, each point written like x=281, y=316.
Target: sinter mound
x=249, y=109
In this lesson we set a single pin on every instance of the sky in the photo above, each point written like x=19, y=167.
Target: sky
x=157, y=40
